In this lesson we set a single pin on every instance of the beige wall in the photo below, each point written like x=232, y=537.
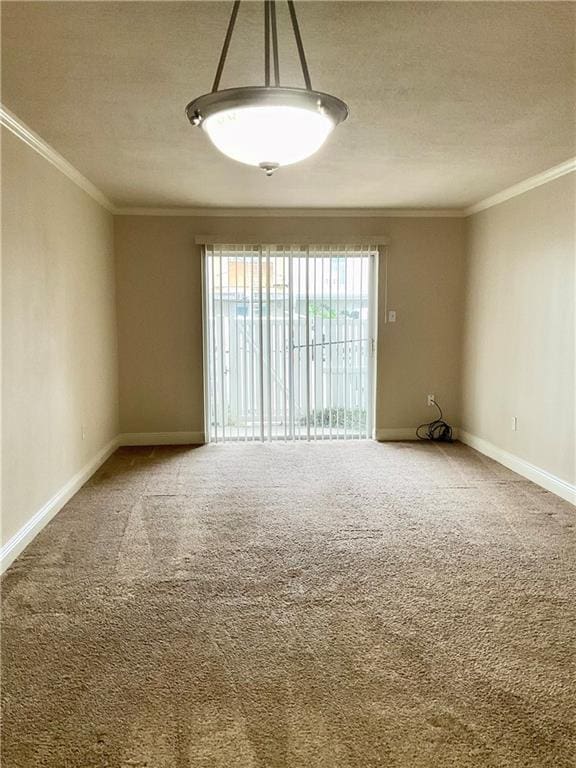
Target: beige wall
x=490, y=333
x=518, y=355
x=58, y=328
x=160, y=312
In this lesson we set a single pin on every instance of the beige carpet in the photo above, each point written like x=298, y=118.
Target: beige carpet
x=299, y=606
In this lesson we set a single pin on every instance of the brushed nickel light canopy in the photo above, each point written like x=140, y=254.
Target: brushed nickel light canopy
x=267, y=125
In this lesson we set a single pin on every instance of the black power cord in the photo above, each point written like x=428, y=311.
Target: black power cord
x=437, y=430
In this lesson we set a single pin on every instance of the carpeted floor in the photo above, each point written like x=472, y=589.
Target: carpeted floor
x=294, y=606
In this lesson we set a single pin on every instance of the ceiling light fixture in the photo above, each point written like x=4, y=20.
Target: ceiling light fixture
x=267, y=125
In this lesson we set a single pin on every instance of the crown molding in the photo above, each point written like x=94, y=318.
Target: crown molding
x=29, y=137
x=356, y=213
x=33, y=140
x=524, y=186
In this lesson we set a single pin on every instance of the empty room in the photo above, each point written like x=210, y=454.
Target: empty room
x=288, y=384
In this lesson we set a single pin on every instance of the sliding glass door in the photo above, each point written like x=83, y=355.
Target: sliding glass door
x=288, y=342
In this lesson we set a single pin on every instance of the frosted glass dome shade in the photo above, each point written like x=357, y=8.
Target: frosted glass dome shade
x=260, y=135
x=267, y=126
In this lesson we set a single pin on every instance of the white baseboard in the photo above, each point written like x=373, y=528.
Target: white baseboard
x=402, y=433
x=539, y=476
x=162, y=438
x=24, y=536
x=398, y=433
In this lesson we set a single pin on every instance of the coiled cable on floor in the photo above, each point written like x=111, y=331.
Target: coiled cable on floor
x=437, y=430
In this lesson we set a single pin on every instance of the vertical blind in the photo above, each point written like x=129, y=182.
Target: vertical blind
x=288, y=342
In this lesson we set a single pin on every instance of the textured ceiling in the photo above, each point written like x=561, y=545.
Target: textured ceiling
x=450, y=102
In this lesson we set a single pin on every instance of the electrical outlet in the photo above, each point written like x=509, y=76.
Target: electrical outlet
x=514, y=423
x=431, y=400
x=391, y=315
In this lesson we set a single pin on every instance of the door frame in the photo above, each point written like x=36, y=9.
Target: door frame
x=378, y=263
